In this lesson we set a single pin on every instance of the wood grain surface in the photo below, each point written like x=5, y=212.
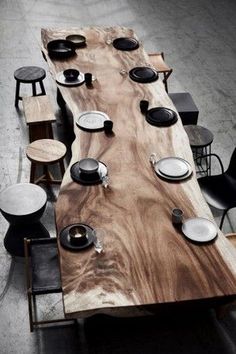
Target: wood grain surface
x=38, y=110
x=146, y=260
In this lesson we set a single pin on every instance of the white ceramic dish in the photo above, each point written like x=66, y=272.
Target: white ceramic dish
x=199, y=229
x=92, y=120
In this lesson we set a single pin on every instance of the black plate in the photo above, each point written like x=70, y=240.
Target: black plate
x=125, y=43
x=85, y=178
x=65, y=238
x=161, y=116
x=143, y=74
x=61, y=49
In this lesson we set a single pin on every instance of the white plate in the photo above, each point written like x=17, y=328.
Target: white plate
x=173, y=168
x=199, y=229
x=92, y=120
x=60, y=79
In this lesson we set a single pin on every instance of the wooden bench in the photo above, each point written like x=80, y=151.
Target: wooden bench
x=39, y=115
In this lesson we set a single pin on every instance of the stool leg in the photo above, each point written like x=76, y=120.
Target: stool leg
x=62, y=168
x=17, y=93
x=34, y=88
x=32, y=172
x=47, y=174
x=42, y=88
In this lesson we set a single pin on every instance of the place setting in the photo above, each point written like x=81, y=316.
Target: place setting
x=80, y=236
x=89, y=171
x=124, y=43
x=158, y=116
x=93, y=121
x=197, y=229
x=171, y=168
x=143, y=74
x=78, y=40
x=61, y=49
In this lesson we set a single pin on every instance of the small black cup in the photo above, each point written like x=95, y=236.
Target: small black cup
x=108, y=125
x=143, y=106
x=88, y=79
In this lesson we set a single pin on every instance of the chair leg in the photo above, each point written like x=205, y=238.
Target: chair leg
x=43, y=92
x=17, y=93
x=62, y=168
x=222, y=218
x=32, y=172
x=34, y=88
x=30, y=311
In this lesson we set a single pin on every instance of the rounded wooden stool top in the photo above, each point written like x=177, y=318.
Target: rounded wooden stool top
x=199, y=136
x=29, y=74
x=22, y=199
x=45, y=151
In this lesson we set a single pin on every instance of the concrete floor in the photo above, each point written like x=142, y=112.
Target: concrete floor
x=199, y=42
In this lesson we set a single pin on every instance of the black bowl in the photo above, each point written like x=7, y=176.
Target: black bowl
x=61, y=49
x=78, y=40
x=71, y=74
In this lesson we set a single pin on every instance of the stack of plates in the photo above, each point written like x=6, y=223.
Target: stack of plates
x=66, y=242
x=84, y=178
x=92, y=120
x=173, y=168
x=143, y=74
x=125, y=43
x=161, y=116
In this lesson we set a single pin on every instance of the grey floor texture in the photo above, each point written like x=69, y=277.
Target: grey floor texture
x=199, y=42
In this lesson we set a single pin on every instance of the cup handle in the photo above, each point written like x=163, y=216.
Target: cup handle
x=153, y=158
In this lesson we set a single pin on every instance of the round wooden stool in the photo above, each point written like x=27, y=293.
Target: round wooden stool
x=45, y=152
x=200, y=140
x=22, y=205
x=29, y=75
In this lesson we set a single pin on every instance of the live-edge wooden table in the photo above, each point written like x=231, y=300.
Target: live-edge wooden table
x=146, y=260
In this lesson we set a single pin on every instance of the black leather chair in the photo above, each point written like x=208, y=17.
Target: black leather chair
x=43, y=274
x=220, y=190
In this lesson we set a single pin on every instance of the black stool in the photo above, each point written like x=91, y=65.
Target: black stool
x=22, y=205
x=185, y=106
x=200, y=140
x=29, y=75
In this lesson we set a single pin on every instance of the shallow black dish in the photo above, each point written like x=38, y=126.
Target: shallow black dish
x=143, y=74
x=161, y=116
x=125, y=43
x=77, y=39
x=61, y=49
x=85, y=178
x=66, y=242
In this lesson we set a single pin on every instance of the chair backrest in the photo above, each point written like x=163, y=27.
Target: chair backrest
x=232, y=165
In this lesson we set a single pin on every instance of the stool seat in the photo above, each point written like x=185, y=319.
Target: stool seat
x=46, y=151
x=199, y=137
x=29, y=74
x=185, y=106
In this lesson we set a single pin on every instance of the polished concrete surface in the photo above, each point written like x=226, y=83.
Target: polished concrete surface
x=199, y=42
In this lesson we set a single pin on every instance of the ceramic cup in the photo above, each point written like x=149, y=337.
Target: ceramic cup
x=78, y=235
x=143, y=106
x=177, y=216
x=88, y=79
x=108, y=125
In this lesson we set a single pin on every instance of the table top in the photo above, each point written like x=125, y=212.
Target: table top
x=146, y=260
